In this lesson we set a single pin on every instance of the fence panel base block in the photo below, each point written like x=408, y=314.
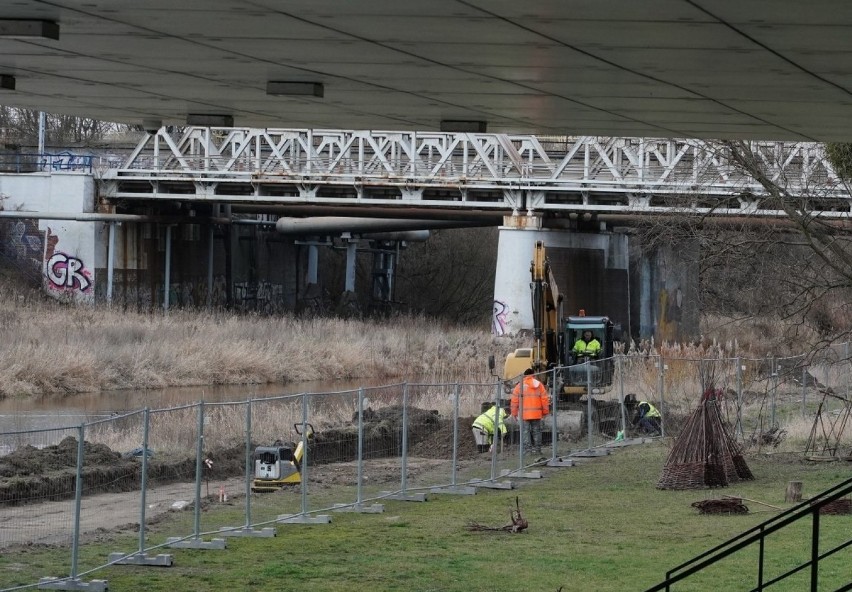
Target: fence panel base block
x=161, y=560
x=560, y=462
x=360, y=508
x=243, y=531
x=455, y=489
x=404, y=497
x=72, y=584
x=521, y=474
x=303, y=519
x=179, y=543
x=494, y=484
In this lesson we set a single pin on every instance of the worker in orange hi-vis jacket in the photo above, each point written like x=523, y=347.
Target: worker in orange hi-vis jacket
x=530, y=399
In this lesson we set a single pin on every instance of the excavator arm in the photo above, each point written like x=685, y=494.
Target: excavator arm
x=547, y=346
x=547, y=311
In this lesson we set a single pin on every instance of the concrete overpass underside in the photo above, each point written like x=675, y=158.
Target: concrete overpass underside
x=765, y=69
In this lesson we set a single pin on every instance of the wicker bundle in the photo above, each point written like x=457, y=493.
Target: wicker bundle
x=838, y=506
x=704, y=455
x=722, y=506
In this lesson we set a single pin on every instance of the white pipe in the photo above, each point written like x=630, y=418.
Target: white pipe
x=335, y=225
x=110, y=261
x=168, y=271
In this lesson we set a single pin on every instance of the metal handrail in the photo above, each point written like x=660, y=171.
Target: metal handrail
x=758, y=534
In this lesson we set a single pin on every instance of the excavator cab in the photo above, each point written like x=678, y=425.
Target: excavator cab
x=575, y=377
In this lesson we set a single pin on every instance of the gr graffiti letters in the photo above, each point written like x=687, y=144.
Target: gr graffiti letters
x=68, y=273
x=498, y=318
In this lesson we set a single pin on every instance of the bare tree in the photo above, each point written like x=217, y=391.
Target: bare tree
x=792, y=271
x=809, y=254
x=451, y=275
x=21, y=126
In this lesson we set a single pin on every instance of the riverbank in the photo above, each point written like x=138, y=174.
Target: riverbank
x=50, y=348
x=56, y=349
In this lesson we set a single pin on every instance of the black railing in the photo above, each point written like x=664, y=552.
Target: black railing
x=758, y=534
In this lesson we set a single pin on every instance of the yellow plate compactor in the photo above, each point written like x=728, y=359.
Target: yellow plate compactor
x=279, y=464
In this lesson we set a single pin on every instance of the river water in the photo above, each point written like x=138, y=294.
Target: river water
x=46, y=412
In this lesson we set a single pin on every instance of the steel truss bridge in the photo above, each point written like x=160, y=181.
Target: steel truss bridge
x=497, y=173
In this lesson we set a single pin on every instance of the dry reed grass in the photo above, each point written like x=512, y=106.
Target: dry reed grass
x=51, y=348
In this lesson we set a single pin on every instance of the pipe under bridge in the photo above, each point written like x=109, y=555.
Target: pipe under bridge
x=422, y=173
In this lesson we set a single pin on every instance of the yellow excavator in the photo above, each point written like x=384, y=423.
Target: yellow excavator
x=280, y=464
x=553, y=338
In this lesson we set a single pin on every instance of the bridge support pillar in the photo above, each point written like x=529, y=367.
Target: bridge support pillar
x=313, y=264
x=590, y=268
x=512, y=311
x=351, y=258
x=665, y=299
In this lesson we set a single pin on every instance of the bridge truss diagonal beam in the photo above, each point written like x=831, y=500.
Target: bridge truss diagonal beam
x=499, y=172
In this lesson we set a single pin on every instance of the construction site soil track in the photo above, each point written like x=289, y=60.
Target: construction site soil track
x=36, y=475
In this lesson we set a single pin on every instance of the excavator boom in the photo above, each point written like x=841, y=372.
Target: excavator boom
x=547, y=310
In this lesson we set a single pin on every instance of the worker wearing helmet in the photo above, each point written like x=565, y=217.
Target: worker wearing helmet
x=483, y=427
x=649, y=418
x=587, y=346
x=531, y=401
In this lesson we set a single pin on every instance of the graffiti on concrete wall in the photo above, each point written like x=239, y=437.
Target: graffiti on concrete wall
x=25, y=242
x=65, y=161
x=498, y=319
x=66, y=274
x=262, y=296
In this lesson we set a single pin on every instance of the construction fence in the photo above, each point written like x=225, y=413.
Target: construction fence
x=351, y=451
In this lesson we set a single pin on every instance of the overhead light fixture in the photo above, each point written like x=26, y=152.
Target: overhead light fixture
x=152, y=126
x=296, y=89
x=210, y=120
x=7, y=82
x=465, y=126
x=29, y=28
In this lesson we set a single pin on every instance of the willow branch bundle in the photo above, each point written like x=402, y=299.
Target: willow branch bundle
x=704, y=455
x=721, y=506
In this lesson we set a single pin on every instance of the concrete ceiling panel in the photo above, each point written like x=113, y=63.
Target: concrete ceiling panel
x=764, y=68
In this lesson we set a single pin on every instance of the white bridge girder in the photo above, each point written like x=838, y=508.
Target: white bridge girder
x=460, y=170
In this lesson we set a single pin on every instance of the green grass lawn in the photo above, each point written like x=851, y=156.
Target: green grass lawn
x=598, y=526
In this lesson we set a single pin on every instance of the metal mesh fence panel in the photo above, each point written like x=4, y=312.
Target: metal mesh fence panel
x=112, y=478
x=476, y=460
x=38, y=511
x=586, y=404
x=277, y=476
x=378, y=471
x=173, y=439
x=756, y=396
x=224, y=463
x=641, y=381
x=681, y=391
x=433, y=427
x=836, y=367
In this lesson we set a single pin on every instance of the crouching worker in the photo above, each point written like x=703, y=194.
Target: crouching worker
x=648, y=418
x=483, y=428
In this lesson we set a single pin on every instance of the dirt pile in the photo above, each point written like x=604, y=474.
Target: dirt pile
x=429, y=436
x=30, y=460
x=34, y=475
